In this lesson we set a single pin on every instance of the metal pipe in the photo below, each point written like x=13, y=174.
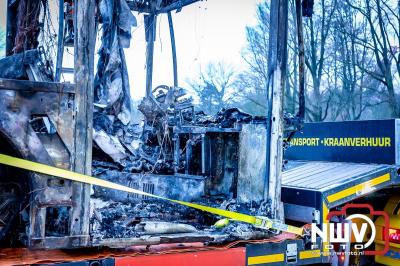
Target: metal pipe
x=150, y=26
x=60, y=41
x=173, y=47
x=84, y=43
x=10, y=27
x=203, y=154
x=176, y=141
x=188, y=156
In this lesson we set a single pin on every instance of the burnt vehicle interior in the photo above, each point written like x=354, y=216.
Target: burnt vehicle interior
x=15, y=188
x=178, y=152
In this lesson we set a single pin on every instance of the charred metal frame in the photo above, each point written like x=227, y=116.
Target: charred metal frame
x=60, y=41
x=188, y=133
x=173, y=48
x=230, y=158
x=277, y=67
x=150, y=22
x=11, y=27
x=19, y=103
x=152, y=10
x=68, y=107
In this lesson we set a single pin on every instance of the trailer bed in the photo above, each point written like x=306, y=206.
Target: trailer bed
x=309, y=185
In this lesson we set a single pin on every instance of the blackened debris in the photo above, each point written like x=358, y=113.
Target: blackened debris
x=226, y=118
x=121, y=220
x=118, y=220
x=111, y=87
x=180, y=187
x=57, y=221
x=16, y=66
x=102, y=121
x=150, y=148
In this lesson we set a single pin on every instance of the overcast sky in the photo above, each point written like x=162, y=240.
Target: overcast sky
x=208, y=31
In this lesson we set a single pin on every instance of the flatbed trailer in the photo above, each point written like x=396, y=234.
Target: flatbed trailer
x=315, y=187
x=310, y=189
x=260, y=252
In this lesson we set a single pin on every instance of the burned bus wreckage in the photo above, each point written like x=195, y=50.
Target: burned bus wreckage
x=177, y=152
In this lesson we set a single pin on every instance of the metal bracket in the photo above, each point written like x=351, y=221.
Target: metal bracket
x=291, y=253
x=276, y=226
x=263, y=223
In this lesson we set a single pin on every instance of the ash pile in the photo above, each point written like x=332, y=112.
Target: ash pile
x=147, y=221
x=180, y=154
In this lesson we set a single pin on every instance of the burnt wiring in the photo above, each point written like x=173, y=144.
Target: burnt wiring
x=49, y=35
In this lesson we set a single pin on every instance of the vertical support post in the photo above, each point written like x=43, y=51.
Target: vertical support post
x=176, y=140
x=173, y=47
x=203, y=154
x=188, y=167
x=60, y=41
x=85, y=37
x=277, y=62
x=150, y=29
x=11, y=27
x=300, y=41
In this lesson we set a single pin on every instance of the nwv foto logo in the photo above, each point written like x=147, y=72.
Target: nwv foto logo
x=342, y=232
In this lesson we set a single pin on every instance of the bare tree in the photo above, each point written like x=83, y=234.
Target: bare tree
x=292, y=81
x=345, y=81
x=352, y=61
x=318, y=30
x=382, y=42
x=215, y=87
x=256, y=52
x=251, y=92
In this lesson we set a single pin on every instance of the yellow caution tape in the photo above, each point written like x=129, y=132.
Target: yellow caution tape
x=257, y=221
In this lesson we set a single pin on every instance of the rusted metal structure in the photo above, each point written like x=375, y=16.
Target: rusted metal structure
x=52, y=123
